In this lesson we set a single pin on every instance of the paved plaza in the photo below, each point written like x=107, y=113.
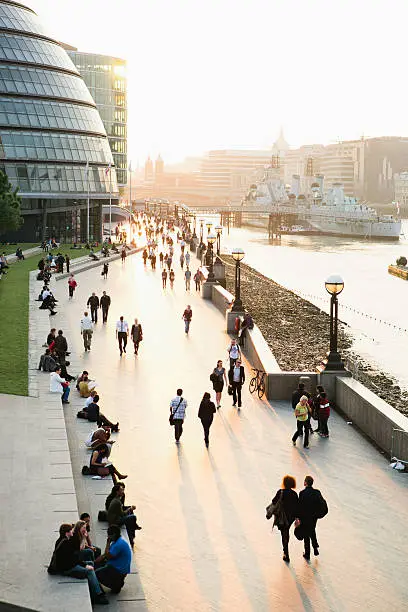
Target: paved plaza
x=205, y=543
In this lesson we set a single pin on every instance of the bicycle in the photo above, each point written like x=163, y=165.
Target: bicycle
x=257, y=383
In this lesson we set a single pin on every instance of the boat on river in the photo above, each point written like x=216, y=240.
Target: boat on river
x=328, y=212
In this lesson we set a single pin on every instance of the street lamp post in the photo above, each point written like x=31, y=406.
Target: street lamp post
x=209, y=226
x=334, y=285
x=211, y=239
x=201, y=231
x=218, y=229
x=238, y=255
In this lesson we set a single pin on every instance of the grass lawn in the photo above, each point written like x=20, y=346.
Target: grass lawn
x=10, y=249
x=14, y=323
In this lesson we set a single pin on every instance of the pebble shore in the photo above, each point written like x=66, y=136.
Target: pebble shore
x=297, y=332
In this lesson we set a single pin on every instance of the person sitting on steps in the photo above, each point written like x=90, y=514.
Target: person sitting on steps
x=99, y=464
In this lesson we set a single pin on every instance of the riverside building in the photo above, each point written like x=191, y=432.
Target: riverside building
x=105, y=78
x=53, y=145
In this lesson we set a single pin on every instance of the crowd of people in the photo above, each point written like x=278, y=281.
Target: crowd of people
x=74, y=554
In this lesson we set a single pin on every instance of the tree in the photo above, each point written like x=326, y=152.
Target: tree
x=10, y=202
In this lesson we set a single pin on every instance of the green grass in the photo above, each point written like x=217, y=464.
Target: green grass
x=14, y=323
x=10, y=249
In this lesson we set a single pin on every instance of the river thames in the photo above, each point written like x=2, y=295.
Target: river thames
x=373, y=302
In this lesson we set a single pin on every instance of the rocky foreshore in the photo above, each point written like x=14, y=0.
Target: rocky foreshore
x=297, y=332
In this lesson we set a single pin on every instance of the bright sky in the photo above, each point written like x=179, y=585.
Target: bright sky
x=206, y=74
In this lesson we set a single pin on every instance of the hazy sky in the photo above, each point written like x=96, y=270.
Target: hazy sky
x=207, y=74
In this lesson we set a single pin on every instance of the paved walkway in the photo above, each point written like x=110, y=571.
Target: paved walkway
x=205, y=543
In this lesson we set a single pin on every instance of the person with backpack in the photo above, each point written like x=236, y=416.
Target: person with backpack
x=285, y=509
x=312, y=507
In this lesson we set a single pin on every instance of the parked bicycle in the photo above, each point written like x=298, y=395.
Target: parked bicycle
x=257, y=383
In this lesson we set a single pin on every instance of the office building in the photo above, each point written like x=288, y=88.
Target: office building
x=105, y=77
x=53, y=145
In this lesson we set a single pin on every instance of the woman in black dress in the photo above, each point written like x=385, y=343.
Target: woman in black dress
x=206, y=415
x=290, y=511
x=218, y=377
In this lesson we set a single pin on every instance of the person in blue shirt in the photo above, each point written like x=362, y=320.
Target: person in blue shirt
x=117, y=559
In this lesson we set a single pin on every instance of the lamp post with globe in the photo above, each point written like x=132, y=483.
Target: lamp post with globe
x=334, y=285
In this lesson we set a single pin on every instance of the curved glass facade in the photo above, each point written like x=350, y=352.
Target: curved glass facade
x=53, y=143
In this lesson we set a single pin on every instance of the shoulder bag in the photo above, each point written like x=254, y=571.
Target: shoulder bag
x=277, y=511
x=172, y=414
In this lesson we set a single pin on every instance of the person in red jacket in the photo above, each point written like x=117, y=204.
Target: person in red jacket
x=324, y=413
x=72, y=285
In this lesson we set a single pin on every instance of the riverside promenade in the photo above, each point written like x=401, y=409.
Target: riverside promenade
x=205, y=543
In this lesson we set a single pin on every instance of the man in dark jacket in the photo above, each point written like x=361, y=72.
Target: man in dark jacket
x=93, y=303
x=297, y=394
x=236, y=377
x=310, y=506
x=61, y=346
x=105, y=302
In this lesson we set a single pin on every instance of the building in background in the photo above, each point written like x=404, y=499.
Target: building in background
x=105, y=78
x=227, y=174
x=53, y=145
x=401, y=191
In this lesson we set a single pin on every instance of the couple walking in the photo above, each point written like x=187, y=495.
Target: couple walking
x=303, y=510
x=178, y=406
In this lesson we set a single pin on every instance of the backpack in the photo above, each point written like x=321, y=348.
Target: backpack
x=85, y=470
x=322, y=508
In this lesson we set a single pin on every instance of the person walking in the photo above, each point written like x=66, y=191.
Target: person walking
x=169, y=260
x=144, y=255
x=93, y=303
x=178, y=407
x=197, y=280
x=182, y=261
x=72, y=285
x=187, y=258
x=234, y=353
x=122, y=332
x=136, y=333
x=153, y=261
x=67, y=261
x=187, y=316
x=206, y=415
x=123, y=254
x=187, y=277
x=312, y=506
x=217, y=378
x=105, y=270
x=236, y=377
x=105, y=303
x=172, y=276
x=86, y=331
x=161, y=257
x=302, y=420
x=164, y=277
x=286, y=504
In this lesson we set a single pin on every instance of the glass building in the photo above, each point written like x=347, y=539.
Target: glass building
x=105, y=77
x=53, y=144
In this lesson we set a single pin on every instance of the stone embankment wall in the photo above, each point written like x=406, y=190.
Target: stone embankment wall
x=297, y=332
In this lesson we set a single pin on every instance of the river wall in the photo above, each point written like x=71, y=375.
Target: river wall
x=297, y=332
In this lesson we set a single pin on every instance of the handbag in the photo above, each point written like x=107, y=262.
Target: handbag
x=229, y=391
x=172, y=414
x=299, y=532
x=277, y=511
x=213, y=377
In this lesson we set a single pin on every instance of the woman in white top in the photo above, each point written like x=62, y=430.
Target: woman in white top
x=234, y=353
x=59, y=385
